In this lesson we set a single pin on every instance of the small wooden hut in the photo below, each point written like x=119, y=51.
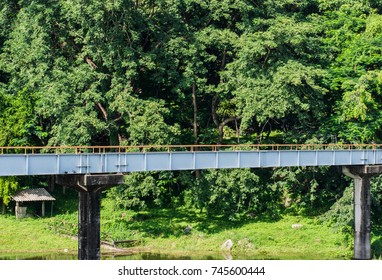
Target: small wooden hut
x=31, y=195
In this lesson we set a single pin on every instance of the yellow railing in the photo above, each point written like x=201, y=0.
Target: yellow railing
x=175, y=148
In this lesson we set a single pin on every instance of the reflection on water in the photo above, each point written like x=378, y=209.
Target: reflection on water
x=156, y=256
x=136, y=256
x=159, y=256
x=38, y=256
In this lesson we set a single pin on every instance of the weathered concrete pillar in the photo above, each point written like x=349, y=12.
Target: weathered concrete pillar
x=362, y=202
x=82, y=225
x=93, y=229
x=89, y=188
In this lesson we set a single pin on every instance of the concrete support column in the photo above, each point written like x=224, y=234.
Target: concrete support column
x=362, y=202
x=82, y=225
x=89, y=242
x=89, y=188
x=94, y=226
x=362, y=218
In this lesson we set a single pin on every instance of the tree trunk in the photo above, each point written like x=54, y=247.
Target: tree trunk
x=237, y=132
x=220, y=125
x=195, y=122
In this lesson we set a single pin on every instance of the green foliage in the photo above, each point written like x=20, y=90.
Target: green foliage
x=376, y=199
x=232, y=193
x=8, y=186
x=274, y=75
x=353, y=34
x=141, y=190
x=308, y=190
x=18, y=124
x=341, y=215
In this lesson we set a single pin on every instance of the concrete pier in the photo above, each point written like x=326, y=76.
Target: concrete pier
x=89, y=188
x=362, y=201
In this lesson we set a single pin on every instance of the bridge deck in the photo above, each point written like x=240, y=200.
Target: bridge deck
x=85, y=160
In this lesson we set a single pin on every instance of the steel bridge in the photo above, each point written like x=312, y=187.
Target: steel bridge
x=89, y=170
x=19, y=161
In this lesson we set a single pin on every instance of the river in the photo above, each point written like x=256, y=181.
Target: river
x=159, y=256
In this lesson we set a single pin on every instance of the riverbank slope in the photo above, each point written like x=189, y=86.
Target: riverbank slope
x=179, y=232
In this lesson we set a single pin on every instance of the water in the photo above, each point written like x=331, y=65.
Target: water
x=136, y=256
x=158, y=256
x=38, y=256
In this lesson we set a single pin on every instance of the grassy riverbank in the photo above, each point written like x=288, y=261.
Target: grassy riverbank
x=262, y=240
x=31, y=235
x=182, y=232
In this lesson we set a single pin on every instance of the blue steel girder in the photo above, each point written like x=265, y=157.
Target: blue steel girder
x=93, y=163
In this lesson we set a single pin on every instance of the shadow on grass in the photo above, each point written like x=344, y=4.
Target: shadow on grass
x=173, y=222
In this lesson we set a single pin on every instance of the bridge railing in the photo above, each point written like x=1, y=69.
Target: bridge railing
x=179, y=148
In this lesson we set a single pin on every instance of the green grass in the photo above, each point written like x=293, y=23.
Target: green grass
x=31, y=235
x=269, y=240
x=162, y=230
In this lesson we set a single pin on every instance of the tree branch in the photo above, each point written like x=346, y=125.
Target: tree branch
x=224, y=58
x=213, y=109
x=104, y=113
x=266, y=56
x=90, y=62
x=196, y=141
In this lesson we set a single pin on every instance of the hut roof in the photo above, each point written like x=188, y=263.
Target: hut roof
x=39, y=194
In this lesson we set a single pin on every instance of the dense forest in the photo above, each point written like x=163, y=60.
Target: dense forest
x=142, y=72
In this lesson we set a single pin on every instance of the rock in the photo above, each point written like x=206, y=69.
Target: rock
x=227, y=245
x=227, y=256
x=187, y=230
x=287, y=202
x=244, y=243
x=297, y=226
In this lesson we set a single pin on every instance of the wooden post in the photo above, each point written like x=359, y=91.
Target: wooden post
x=51, y=208
x=17, y=210
x=43, y=209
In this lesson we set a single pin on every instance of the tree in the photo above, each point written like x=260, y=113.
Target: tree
x=275, y=76
x=354, y=34
x=8, y=186
x=231, y=193
x=83, y=75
